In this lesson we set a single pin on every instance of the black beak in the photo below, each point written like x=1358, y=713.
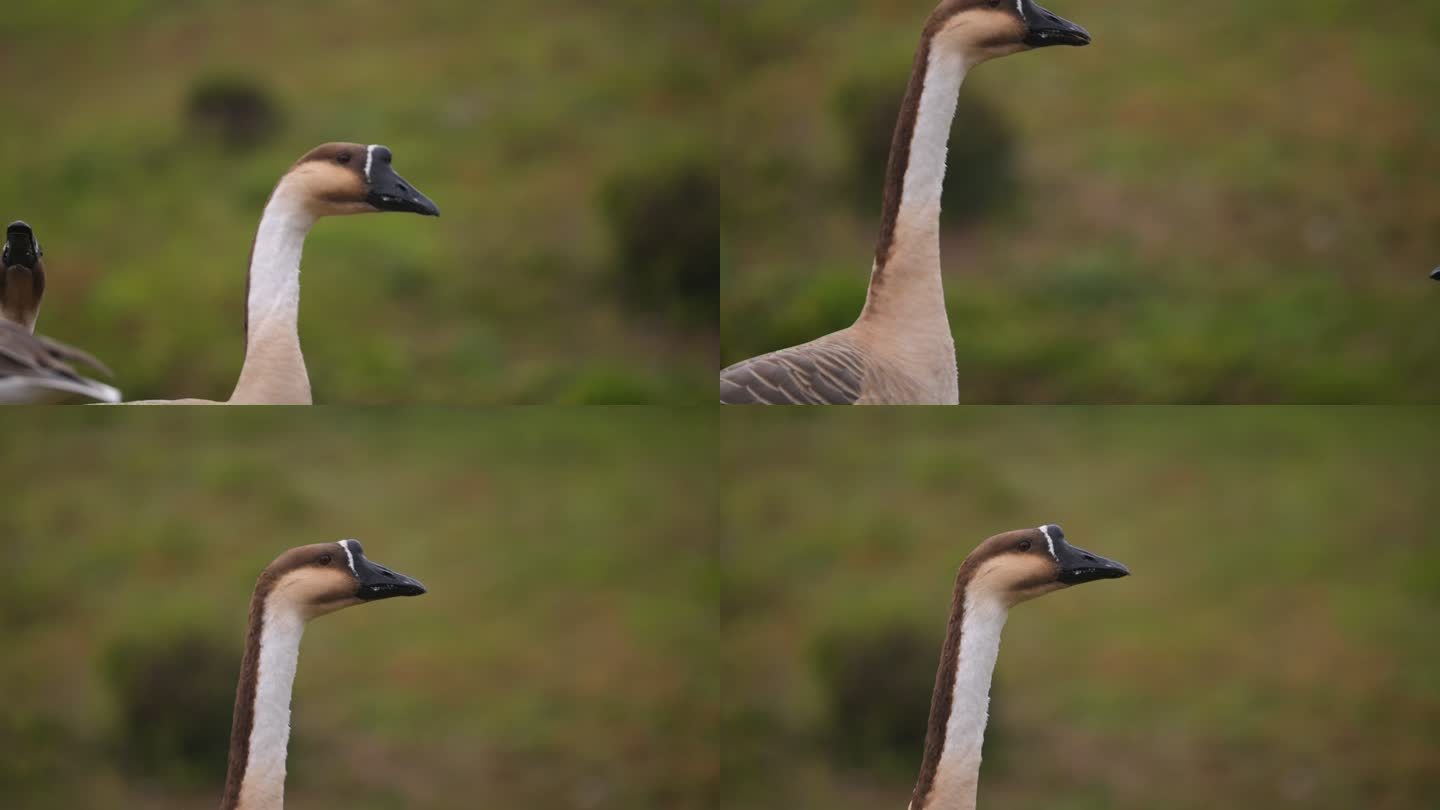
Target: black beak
x=389, y=191
x=1044, y=28
x=1435, y=274
x=1078, y=565
x=20, y=246
x=379, y=582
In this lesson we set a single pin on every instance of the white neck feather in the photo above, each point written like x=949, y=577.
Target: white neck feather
x=274, y=370
x=918, y=219
x=263, y=787
x=911, y=291
x=958, y=774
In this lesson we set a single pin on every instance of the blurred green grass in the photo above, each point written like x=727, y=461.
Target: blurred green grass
x=557, y=661
x=511, y=115
x=1271, y=650
x=1220, y=202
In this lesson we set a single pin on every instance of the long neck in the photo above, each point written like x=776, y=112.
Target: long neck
x=905, y=279
x=950, y=771
x=274, y=370
x=260, y=734
x=20, y=294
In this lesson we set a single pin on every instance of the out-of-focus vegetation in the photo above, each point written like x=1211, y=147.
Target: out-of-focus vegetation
x=144, y=137
x=664, y=216
x=1270, y=650
x=1220, y=201
x=560, y=660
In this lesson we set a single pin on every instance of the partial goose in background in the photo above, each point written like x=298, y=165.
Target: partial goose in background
x=22, y=276
x=331, y=180
x=1435, y=274
x=34, y=368
x=298, y=586
x=1001, y=572
x=901, y=350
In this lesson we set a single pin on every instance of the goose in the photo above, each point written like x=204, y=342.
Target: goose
x=1435, y=274
x=22, y=276
x=298, y=586
x=34, y=368
x=900, y=350
x=332, y=179
x=1001, y=572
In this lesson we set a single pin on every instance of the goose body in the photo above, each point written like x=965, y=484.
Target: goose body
x=34, y=368
x=901, y=350
x=300, y=585
x=330, y=180
x=1001, y=572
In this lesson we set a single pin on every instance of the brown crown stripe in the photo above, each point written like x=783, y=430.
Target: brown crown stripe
x=244, y=718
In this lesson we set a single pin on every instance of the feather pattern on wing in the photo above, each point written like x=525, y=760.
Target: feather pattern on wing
x=829, y=371
x=34, y=368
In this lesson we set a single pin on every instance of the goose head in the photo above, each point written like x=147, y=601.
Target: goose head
x=1018, y=566
x=986, y=29
x=22, y=275
x=335, y=179
x=323, y=578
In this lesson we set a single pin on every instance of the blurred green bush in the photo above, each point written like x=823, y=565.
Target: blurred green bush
x=174, y=695
x=663, y=219
x=876, y=683
x=236, y=112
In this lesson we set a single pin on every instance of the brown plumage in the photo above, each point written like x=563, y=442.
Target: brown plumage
x=333, y=179
x=1002, y=572
x=900, y=350
x=299, y=586
x=34, y=368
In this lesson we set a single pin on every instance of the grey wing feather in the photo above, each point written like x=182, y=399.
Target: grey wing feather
x=33, y=360
x=821, y=373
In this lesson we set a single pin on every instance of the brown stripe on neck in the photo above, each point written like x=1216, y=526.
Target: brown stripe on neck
x=249, y=268
x=244, y=718
x=940, y=699
x=899, y=162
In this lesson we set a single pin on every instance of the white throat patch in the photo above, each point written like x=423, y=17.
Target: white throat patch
x=350, y=555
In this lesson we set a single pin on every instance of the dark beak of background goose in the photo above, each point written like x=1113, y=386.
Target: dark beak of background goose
x=379, y=582
x=1435, y=274
x=1044, y=28
x=390, y=192
x=1078, y=565
x=20, y=246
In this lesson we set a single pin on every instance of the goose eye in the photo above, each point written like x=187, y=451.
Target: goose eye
x=343, y=158
x=324, y=559
x=1024, y=545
